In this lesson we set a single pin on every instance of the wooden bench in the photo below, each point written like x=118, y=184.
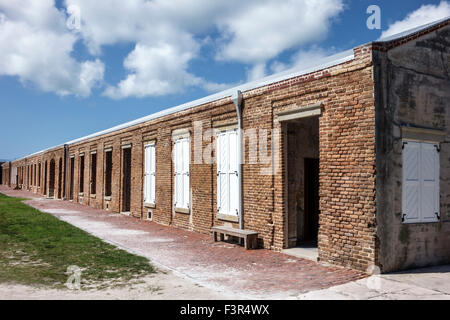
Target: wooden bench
x=250, y=237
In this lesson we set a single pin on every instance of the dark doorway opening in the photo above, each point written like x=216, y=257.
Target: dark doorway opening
x=93, y=173
x=126, y=179
x=311, y=199
x=108, y=173
x=81, y=187
x=51, y=183
x=60, y=179
x=302, y=179
x=45, y=178
x=72, y=167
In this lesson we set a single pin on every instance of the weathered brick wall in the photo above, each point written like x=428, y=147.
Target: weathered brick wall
x=347, y=183
x=347, y=162
x=35, y=180
x=412, y=82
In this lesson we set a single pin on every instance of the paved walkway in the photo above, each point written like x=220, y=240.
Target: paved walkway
x=220, y=266
x=431, y=283
x=232, y=272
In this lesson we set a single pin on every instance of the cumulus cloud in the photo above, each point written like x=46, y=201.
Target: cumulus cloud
x=167, y=37
x=36, y=47
x=269, y=27
x=155, y=70
x=425, y=14
x=302, y=58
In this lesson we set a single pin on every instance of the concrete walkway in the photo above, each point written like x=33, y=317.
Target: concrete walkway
x=233, y=271
x=422, y=284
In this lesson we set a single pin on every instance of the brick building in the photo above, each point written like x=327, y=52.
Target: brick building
x=351, y=153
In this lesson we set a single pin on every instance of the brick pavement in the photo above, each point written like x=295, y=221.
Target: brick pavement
x=226, y=267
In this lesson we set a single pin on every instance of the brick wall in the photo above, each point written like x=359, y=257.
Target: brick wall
x=347, y=159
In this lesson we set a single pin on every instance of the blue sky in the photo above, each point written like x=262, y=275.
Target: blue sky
x=129, y=60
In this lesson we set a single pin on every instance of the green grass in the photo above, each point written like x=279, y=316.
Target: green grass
x=36, y=248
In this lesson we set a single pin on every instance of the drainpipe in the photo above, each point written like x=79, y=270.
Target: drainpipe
x=237, y=100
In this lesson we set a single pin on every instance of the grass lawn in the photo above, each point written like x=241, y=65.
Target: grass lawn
x=36, y=248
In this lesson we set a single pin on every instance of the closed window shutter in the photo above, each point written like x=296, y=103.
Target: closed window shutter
x=186, y=157
x=146, y=174
x=152, y=173
x=420, y=191
x=411, y=182
x=233, y=173
x=222, y=174
x=227, y=180
x=429, y=182
x=182, y=161
x=178, y=182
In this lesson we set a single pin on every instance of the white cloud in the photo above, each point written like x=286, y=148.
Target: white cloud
x=169, y=34
x=425, y=14
x=269, y=27
x=155, y=70
x=257, y=71
x=36, y=47
x=303, y=59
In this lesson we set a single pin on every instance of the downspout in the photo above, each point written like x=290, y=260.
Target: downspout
x=237, y=100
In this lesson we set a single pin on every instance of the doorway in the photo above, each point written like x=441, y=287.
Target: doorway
x=126, y=179
x=311, y=199
x=51, y=183
x=72, y=169
x=45, y=178
x=302, y=178
x=60, y=179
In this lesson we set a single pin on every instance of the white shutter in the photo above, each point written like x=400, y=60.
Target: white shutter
x=411, y=183
x=420, y=190
x=233, y=173
x=429, y=182
x=146, y=174
x=182, y=161
x=149, y=173
x=178, y=182
x=227, y=179
x=153, y=173
x=222, y=173
x=186, y=161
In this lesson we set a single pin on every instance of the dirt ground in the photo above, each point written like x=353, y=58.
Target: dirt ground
x=162, y=285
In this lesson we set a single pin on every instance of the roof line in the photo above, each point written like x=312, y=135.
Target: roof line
x=317, y=65
x=320, y=64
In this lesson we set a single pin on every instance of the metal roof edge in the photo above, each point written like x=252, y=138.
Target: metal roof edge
x=411, y=31
x=319, y=64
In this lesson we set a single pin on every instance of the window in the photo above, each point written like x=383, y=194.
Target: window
x=227, y=173
x=108, y=173
x=149, y=173
x=93, y=172
x=81, y=173
x=181, y=158
x=420, y=189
